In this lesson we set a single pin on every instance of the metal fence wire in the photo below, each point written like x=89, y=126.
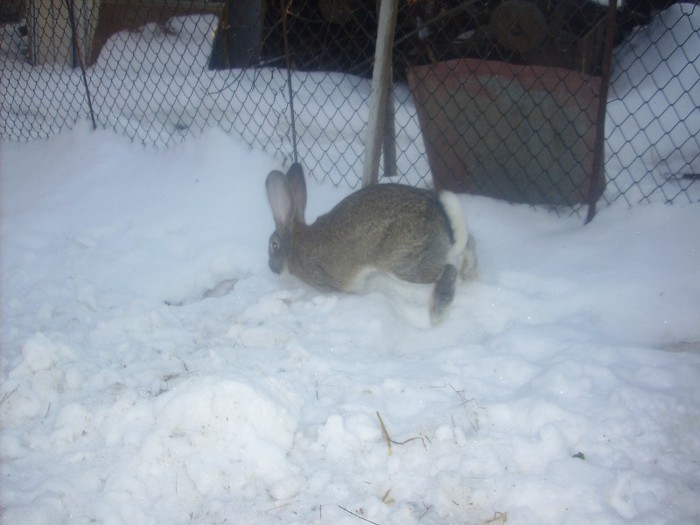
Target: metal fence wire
x=510, y=98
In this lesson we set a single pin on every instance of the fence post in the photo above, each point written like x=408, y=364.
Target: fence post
x=381, y=84
x=389, y=139
x=599, y=152
x=286, y=5
x=79, y=55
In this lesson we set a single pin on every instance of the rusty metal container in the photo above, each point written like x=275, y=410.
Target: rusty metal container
x=519, y=133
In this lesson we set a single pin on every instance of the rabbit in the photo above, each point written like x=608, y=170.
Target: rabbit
x=414, y=234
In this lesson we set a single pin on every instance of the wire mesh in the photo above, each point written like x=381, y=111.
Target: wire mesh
x=497, y=97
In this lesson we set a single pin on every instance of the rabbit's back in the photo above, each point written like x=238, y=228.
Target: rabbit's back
x=393, y=228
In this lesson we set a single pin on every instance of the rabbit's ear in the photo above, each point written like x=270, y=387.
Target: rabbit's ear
x=280, y=198
x=297, y=185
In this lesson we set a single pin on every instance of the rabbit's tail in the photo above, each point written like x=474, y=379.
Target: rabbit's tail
x=461, y=257
x=460, y=234
x=462, y=253
x=444, y=289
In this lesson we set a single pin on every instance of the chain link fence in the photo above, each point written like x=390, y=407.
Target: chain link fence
x=497, y=97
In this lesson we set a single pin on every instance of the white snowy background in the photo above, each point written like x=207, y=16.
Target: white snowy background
x=155, y=371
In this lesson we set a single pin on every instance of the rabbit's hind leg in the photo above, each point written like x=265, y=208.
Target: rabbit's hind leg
x=469, y=267
x=443, y=293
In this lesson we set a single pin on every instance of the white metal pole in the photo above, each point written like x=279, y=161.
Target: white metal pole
x=381, y=84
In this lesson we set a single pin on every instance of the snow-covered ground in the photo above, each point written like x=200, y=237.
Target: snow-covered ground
x=153, y=369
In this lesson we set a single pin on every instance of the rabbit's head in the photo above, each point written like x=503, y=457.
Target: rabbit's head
x=287, y=197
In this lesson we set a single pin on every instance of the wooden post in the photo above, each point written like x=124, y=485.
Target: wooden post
x=381, y=85
x=50, y=36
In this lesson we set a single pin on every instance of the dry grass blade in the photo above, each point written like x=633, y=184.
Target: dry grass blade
x=389, y=441
x=385, y=432
x=8, y=394
x=357, y=515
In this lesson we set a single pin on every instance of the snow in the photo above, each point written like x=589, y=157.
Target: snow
x=155, y=371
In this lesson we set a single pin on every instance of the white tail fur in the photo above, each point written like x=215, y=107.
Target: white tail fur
x=453, y=209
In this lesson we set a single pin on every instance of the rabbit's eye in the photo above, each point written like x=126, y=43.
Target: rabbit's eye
x=274, y=246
